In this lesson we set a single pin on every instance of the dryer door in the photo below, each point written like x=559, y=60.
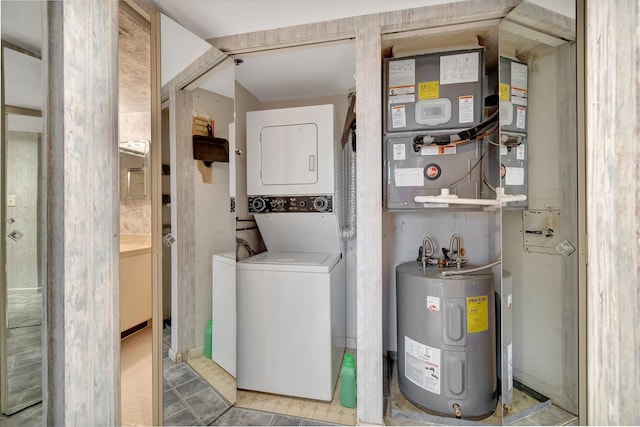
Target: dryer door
x=289, y=154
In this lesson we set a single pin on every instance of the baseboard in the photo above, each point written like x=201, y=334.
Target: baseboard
x=352, y=343
x=174, y=356
x=134, y=329
x=24, y=291
x=196, y=352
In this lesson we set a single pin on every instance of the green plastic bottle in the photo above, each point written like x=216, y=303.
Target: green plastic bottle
x=207, y=340
x=348, y=382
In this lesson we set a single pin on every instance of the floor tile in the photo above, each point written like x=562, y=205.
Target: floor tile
x=140, y=401
x=172, y=403
x=307, y=422
x=207, y=405
x=285, y=420
x=182, y=418
x=179, y=374
x=244, y=417
x=552, y=416
x=133, y=415
x=192, y=387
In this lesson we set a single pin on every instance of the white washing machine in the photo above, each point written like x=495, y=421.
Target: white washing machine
x=291, y=323
x=223, y=313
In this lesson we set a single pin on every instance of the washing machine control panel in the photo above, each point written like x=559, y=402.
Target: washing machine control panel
x=270, y=204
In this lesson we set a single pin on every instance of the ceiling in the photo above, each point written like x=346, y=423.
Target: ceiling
x=294, y=73
x=225, y=17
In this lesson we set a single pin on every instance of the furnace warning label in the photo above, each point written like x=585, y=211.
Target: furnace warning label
x=422, y=365
x=465, y=109
x=477, y=314
x=436, y=150
x=521, y=117
x=504, y=91
x=402, y=81
x=429, y=90
x=398, y=116
x=518, y=83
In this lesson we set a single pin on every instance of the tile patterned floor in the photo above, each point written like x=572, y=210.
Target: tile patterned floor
x=403, y=412
x=24, y=350
x=250, y=417
x=189, y=399
x=219, y=379
x=135, y=379
x=331, y=412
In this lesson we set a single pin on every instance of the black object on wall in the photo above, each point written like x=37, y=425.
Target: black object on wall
x=210, y=149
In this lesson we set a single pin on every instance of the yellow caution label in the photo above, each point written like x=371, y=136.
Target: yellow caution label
x=428, y=90
x=505, y=92
x=477, y=314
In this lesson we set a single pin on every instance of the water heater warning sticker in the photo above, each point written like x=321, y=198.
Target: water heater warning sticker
x=477, y=314
x=422, y=365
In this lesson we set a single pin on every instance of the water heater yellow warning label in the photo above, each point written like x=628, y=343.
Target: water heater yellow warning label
x=477, y=314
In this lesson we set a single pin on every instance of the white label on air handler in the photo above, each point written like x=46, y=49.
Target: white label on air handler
x=521, y=117
x=402, y=81
x=422, y=365
x=398, y=116
x=460, y=68
x=399, y=152
x=436, y=150
x=409, y=177
x=465, y=109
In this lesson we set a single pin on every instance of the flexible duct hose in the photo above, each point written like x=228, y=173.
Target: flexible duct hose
x=349, y=230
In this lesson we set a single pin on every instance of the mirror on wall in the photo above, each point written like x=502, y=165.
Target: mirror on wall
x=134, y=170
x=537, y=156
x=21, y=296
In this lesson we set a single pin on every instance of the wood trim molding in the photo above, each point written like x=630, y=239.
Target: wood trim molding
x=345, y=28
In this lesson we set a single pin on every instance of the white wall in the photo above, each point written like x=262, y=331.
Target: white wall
x=538, y=322
x=215, y=231
x=23, y=183
x=180, y=47
x=245, y=101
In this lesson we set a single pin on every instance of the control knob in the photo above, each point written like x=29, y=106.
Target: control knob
x=320, y=204
x=258, y=204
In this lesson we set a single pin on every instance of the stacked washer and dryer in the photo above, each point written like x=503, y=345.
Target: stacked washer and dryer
x=291, y=298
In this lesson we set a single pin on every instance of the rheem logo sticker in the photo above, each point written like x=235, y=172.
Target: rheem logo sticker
x=432, y=171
